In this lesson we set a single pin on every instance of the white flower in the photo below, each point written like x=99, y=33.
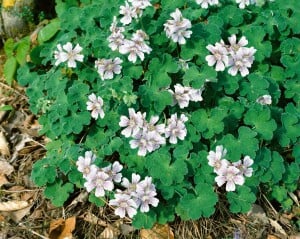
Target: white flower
x=146, y=199
x=133, y=49
x=143, y=141
x=99, y=181
x=72, y=55
x=133, y=124
x=115, y=40
x=241, y=61
x=176, y=128
x=150, y=126
x=128, y=13
x=60, y=56
x=244, y=167
x=216, y=159
x=176, y=29
x=235, y=46
x=95, y=104
x=264, y=100
x=218, y=57
x=231, y=176
x=205, y=3
x=243, y=3
x=141, y=4
x=131, y=186
x=113, y=171
x=108, y=67
x=184, y=94
x=84, y=164
x=124, y=204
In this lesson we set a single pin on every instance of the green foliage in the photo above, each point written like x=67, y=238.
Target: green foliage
x=16, y=53
x=229, y=114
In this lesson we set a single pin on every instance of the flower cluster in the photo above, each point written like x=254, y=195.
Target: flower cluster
x=67, y=53
x=137, y=45
x=148, y=136
x=229, y=173
x=206, y=3
x=137, y=194
x=108, y=67
x=236, y=56
x=95, y=105
x=177, y=28
x=184, y=94
x=135, y=10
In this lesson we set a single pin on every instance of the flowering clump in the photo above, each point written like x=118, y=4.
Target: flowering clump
x=149, y=136
x=236, y=56
x=67, y=53
x=177, y=29
x=136, y=195
x=230, y=173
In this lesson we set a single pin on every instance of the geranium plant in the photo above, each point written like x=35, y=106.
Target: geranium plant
x=159, y=108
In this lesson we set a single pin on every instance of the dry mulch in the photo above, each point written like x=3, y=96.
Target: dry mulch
x=25, y=213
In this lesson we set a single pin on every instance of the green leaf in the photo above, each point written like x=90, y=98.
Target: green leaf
x=260, y=119
x=43, y=172
x=245, y=144
x=194, y=206
x=22, y=50
x=144, y=220
x=209, y=123
x=271, y=166
x=9, y=69
x=99, y=202
x=47, y=32
x=241, y=200
x=9, y=47
x=6, y=108
x=160, y=167
x=291, y=127
x=64, y=190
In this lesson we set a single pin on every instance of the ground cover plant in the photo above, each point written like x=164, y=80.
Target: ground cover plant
x=161, y=108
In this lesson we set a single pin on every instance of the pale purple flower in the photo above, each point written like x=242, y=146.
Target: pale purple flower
x=152, y=126
x=95, y=104
x=124, y=204
x=231, y=176
x=241, y=61
x=216, y=158
x=243, y=3
x=128, y=13
x=72, y=55
x=245, y=166
x=131, y=186
x=100, y=182
x=141, y=4
x=219, y=56
x=133, y=124
x=177, y=28
x=206, y=3
x=264, y=100
x=146, y=199
x=85, y=164
x=180, y=96
x=113, y=171
x=143, y=141
x=176, y=128
x=139, y=38
x=115, y=40
x=108, y=67
x=133, y=49
x=59, y=55
x=234, y=45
